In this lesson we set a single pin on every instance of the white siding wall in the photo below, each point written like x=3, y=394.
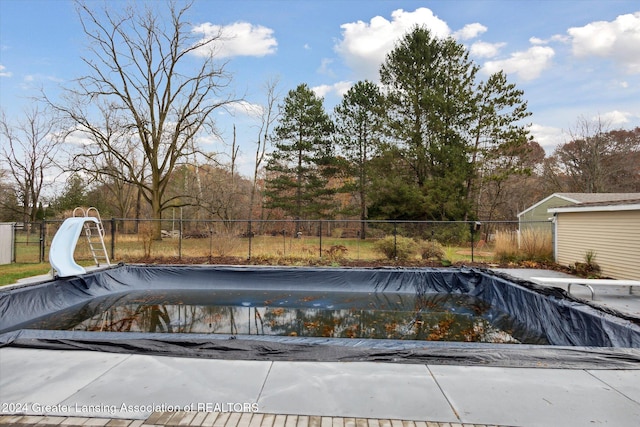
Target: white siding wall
x=613, y=235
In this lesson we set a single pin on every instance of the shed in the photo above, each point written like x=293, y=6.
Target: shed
x=539, y=210
x=610, y=230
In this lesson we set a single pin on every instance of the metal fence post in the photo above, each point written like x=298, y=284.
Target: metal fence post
x=249, y=232
x=395, y=241
x=320, y=232
x=43, y=235
x=210, y=240
x=179, y=237
x=284, y=242
x=471, y=225
x=113, y=238
x=15, y=243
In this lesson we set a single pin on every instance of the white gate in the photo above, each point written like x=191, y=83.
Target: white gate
x=6, y=242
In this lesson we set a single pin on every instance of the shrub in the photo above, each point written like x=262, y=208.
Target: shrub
x=146, y=234
x=336, y=252
x=224, y=244
x=589, y=268
x=336, y=233
x=450, y=256
x=452, y=234
x=401, y=248
x=431, y=249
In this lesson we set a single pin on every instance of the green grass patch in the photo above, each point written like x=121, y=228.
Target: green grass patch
x=11, y=273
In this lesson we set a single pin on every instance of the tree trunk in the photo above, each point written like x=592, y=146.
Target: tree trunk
x=156, y=212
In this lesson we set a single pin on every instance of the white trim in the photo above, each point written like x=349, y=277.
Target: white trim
x=555, y=238
x=601, y=208
x=545, y=199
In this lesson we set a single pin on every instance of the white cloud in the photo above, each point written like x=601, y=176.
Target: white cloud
x=76, y=137
x=340, y=88
x=364, y=45
x=556, y=38
x=470, y=31
x=33, y=81
x=237, y=39
x=4, y=73
x=325, y=67
x=209, y=139
x=618, y=40
x=528, y=65
x=537, y=41
x=547, y=136
x=482, y=49
x=614, y=117
x=245, y=108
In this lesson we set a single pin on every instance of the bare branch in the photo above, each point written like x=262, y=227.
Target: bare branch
x=29, y=150
x=143, y=103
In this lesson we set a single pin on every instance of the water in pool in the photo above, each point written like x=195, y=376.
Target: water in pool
x=433, y=317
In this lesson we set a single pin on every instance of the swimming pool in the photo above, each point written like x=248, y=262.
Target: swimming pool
x=362, y=315
x=408, y=308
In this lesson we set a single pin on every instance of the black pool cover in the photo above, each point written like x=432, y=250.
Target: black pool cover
x=581, y=335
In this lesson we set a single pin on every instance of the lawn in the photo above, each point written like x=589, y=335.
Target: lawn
x=10, y=273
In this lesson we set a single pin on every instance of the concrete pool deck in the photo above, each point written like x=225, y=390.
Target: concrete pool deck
x=92, y=388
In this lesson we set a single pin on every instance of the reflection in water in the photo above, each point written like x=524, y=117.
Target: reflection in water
x=432, y=317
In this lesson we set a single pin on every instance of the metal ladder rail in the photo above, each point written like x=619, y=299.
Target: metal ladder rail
x=97, y=247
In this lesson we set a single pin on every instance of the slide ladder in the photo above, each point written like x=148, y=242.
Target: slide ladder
x=64, y=242
x=94, y=232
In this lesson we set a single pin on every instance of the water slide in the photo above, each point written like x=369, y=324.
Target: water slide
x=63, y=246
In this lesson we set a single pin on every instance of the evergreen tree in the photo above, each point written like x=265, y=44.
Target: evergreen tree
x=431, y=87
x=454, y=132
x=359, y=124
x=396, y=195
x=501, y=143
x=300, y=166
x=73, y=195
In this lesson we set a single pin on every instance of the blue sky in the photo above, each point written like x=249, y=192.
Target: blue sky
x=573, y=59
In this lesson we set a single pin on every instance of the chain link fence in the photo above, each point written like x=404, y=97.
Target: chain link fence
x=132, y=240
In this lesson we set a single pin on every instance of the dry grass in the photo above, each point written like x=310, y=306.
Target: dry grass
x=131, y=247
x=136, y=247
x=529, y=244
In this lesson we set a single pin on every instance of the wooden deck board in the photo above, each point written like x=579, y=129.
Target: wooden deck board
x=228, y=419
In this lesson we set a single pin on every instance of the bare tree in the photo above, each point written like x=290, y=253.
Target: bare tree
x=28, y=151
x=8, y=199
x=595, y=160
x=625, y=159
x=148, y=92
x=268, y=117
x=582, y=157
x=506, y=175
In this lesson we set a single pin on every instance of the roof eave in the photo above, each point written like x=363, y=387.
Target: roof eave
x=605, y=208
x=560, y=195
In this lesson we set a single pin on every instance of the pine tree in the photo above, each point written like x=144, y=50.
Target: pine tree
x=359, y=125
x=431, y=86
x=500, y=139
x=299, y=168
